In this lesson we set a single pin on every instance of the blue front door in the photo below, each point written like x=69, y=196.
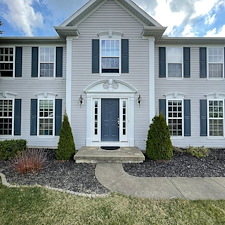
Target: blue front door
x=109, y=120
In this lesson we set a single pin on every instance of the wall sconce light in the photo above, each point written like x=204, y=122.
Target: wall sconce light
x=139, y=100
x=81, y=100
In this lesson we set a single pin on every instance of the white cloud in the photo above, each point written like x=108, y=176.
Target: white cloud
x=210, y=19
x=22, y=16
x=189, y=32
x=216, y=32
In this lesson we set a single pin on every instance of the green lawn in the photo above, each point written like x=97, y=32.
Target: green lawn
x=40, y=206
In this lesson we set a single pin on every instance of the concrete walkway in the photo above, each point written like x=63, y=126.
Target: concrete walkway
x=113, y=177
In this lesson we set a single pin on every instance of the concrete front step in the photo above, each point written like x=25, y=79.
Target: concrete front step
x=98, y=155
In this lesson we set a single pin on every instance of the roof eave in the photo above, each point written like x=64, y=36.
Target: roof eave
x=157, y=32
x=67, y=31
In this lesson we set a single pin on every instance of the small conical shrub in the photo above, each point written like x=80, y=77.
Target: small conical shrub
x=66, y=146
x=158, y=144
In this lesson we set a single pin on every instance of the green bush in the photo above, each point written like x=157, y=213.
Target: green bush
x=66, y=146
x=198, y=152
x=158, y=144
x=10, y=148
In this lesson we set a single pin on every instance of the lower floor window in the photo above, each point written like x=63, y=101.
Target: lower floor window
x=6, y=117
x=216, y=118
x=175, y=117
x=46, y=115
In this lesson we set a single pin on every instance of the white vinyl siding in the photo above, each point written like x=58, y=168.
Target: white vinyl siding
x=216, y=118
x=6, y=62
x=215, y=62
x=174, y=56
x=6, y=116
x=47, y=59
x=46, y=117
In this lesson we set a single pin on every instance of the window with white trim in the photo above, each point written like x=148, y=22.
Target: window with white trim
x=110, y=56
x=216, y=117
x=175, y=117
x=174, y=57
x=6, y=116
x=6, y=62
x=47, y=59
x=215, y=62
x=46, y=117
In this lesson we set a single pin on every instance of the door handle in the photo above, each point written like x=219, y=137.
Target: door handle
x=118, y=121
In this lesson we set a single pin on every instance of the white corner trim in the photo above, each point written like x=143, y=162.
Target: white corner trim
x=151, y=78
x=175, y=95
x=215, y=95
x=69, y=47
x=7, y=94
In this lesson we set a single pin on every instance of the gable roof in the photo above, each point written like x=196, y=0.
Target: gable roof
x=69, y=26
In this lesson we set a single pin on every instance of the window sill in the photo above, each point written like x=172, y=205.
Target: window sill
x=46, y=136
x=177, y=137
x=215, y=79
x=110, y=74
x=215, y=137
x=174, y=78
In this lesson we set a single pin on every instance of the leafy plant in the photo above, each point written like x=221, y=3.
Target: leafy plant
x=29, y=161
x=66, y=146
x=10, y=148
x=198, y=152
x=158, y=144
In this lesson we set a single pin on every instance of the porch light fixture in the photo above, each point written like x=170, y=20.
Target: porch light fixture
x=139, y=100
x=81, y=100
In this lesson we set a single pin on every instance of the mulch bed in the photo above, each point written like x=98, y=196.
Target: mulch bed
x=182, y=165
x=58, y=174
x=81, y=177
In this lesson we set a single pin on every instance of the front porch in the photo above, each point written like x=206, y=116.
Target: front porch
x=99, y=155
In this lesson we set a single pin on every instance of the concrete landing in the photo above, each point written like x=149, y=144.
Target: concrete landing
x=113, y=177
x=98, y=155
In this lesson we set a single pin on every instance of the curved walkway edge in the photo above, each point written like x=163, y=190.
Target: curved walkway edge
x=113, y=177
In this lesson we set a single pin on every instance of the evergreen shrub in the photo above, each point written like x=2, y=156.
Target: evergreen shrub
x=66, y=146
x=10, y=148
x=158, y=144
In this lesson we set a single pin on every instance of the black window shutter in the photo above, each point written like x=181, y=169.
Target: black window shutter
x=34, y=67
x=18, y=62
x=95, y=56
x=58, y=116
x=17, y=117
x=187, y=66
x=187, y=117
x=203, y=62
x=162, y=107
x=162, y=62
x=33, y=117
x=124, y=56
x=203, y=117
x=59, y=61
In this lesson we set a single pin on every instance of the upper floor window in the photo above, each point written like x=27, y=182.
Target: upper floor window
x=46, y=117
x=6, y=116
x=110, y=56
x=47, y=59
x=174, y=62
x=216, y=117
x=6, y=62
x=215, y=62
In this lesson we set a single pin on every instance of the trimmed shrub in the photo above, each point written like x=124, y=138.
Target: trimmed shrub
x=29, y=161
x=66, y=146
x=10, y=148
x=158, y=144
x=198, y=152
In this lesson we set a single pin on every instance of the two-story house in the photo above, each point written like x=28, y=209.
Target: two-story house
x=112, y=70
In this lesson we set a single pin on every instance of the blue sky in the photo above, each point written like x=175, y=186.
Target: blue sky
x=181, y=17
